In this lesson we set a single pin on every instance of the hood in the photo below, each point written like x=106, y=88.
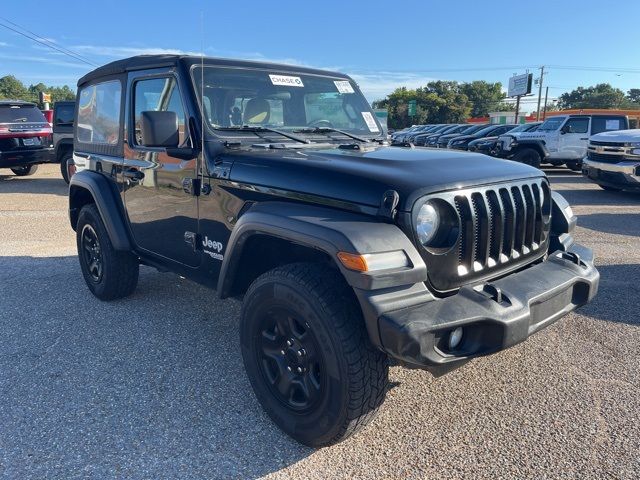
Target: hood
x=363, y=176
x=622, y=136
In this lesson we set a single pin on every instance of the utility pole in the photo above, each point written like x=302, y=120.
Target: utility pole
x=517, y=108
x=546, y=95
x=540, y=92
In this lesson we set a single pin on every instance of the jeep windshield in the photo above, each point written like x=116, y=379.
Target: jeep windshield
x=552, y=124
x=300, y=103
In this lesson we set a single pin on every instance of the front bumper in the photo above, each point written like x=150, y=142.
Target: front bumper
x=624, y=174
x=20, y=157
x=494, y=316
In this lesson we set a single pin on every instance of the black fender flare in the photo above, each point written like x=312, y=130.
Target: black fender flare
x=330, y=231
x=61, y=145
x=105, y=196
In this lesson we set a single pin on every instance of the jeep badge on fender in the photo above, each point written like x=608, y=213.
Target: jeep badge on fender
x=346, y=251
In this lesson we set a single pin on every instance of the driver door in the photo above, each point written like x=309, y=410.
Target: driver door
x=574, y=136
x=163, y=214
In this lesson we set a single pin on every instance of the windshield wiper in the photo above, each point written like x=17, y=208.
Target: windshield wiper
x=329, y=130
x=255, y=129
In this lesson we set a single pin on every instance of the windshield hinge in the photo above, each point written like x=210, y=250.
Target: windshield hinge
x=389, y=204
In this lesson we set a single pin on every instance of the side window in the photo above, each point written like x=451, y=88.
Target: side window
x=601, y=124
x=577, y=125
x=161, y=95
x=64, y=114
x=99, y=113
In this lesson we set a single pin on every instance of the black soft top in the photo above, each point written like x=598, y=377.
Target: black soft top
x=142, y=62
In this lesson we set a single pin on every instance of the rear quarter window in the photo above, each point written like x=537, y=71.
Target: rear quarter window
x=99, y=108
x=607, y=124
x=64, y=114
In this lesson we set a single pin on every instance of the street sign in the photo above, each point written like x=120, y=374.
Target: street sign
x=412, y=107
x=520, y=85
x=45, y=97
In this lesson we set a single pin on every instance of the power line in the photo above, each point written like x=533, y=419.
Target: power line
x=44, y=41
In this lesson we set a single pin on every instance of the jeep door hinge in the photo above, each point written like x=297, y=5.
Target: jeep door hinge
x=191, y=186
x=193, y=239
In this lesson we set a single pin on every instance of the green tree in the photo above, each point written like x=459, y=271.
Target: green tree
x=485, y=97
x=12, y=88
x=633, y=95
x=602, y=95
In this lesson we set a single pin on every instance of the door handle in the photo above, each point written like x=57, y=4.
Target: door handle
x=585, y=138
x=133, y=174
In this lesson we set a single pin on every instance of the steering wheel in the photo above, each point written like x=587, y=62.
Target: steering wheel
x=320, y=123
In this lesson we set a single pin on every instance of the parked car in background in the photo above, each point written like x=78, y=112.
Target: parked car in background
x=462, y=142
x=613, y=160
x=420, y=139
x=443, y=140
x=487, y=145
x=400, y=136
x=63, y=114
x=560, y=139
x=410, y=137
x=25, y=137
x=430, y=139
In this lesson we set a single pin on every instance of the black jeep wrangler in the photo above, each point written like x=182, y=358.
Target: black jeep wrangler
x=274, y=183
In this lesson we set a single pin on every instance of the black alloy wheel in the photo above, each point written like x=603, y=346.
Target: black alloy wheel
x=289, y=360
x=92, y=253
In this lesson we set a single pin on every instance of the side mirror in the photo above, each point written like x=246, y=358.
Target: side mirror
x=565, y=129
x=159, y=129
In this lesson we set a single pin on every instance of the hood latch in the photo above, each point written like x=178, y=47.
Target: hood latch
x=389, y=204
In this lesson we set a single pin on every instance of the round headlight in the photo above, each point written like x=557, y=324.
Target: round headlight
x=427, y=223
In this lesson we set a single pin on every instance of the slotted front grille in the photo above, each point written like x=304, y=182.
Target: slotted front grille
x=500, y=227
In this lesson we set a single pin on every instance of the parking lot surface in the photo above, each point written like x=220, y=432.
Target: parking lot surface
x=153, y=386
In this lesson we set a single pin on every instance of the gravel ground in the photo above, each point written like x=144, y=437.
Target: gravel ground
x=153, y=386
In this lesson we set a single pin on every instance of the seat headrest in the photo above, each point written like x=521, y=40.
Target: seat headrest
x=257, y=110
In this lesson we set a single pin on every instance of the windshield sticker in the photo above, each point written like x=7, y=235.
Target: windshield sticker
x=612, y=125
x=371, y=123
x=344, y=86
x=286, y=81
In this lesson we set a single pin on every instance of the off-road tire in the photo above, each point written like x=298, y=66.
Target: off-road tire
x=528, y=156
x=119, y=270
x=356, y=372
x=65, y=161
x=25, y=171
x=610, y=189
x=575, y=166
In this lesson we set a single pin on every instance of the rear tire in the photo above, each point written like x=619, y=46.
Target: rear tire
x=610, y=189
x=25, y=171
x=528, y=156
x=109, y=273
x=66, y=162
x=308, y=356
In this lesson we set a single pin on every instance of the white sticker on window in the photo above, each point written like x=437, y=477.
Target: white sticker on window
x=344, y=86
x=371, y=123
x=612, y=124
x=286, y=80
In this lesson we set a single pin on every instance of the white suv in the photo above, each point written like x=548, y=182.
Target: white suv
x=613, y=160
x=562, y=138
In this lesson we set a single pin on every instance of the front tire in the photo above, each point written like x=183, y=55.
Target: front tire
x=308, y=356
x=25, y=171
x=110, y=274
x=528, y=156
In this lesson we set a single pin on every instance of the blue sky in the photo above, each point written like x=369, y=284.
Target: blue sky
x=383, y=45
